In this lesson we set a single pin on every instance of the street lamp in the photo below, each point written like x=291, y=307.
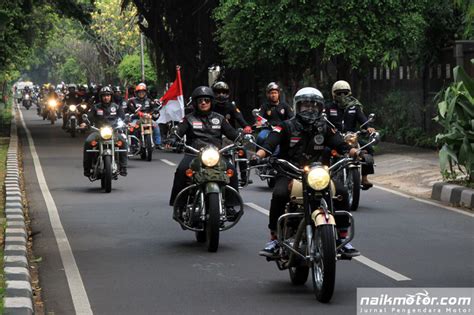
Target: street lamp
x=144, y=23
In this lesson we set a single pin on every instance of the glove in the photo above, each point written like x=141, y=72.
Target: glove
x=254, y=160
x=248, y=129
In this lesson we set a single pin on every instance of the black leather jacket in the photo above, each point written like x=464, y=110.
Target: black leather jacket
x=102, y=114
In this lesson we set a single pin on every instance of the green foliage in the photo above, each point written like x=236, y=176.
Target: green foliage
x=72, y=72
x=395, y=118
x=456, y=116
x=129, y=70
x=355, y=31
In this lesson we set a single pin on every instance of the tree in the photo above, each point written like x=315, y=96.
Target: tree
x=129, y=70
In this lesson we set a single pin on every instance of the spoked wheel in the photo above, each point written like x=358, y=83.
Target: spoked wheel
x=148, y=148
x=107, y=175
x=213, y=222
x=73, y=128
x=353, y=188
x=323, y=269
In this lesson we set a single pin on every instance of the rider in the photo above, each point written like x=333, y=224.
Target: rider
x=118, y=98
x=146, y=105
x=302, y=140
x=275, y=110
x=104, y=113
x=71, y=98
x=344, y=112
x=228, y=109
x=202, y=127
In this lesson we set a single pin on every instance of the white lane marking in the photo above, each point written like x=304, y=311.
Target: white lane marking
x=73, y=276
x=167, y=162
x=380, y=268
x=362, y=259
x=258, y=208
x=432, y=203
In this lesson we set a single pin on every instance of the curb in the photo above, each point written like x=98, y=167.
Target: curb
x=456, y=195
x=18, y=293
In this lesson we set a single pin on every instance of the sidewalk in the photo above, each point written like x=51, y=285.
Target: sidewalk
x=408, y=169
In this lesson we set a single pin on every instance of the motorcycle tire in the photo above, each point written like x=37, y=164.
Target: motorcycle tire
x=299, y=274
x=102, y=182
x=148, y=148
x=324, y=271
x=73, y=128
x=213, y=222
x=271, y=182
x=107, y=174
x=353, y=185
x=143, y=154
x=53, y=120
x=201, y=237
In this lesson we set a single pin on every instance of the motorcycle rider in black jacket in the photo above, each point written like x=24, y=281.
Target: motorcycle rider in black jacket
x=202, y=127
x=228, y=109
x=275, y=110
x=345, y=112
x=71, y=98
x=302, y=140
x=104, y=113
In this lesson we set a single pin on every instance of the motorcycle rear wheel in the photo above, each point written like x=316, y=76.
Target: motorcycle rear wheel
x=323, y=271
x=107, y=175
x=213, y=222
x=201, y=237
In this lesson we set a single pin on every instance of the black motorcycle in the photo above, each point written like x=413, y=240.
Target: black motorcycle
x=27, y=101
x=204, y=210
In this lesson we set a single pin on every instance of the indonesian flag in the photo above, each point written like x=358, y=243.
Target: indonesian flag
x=173, y=102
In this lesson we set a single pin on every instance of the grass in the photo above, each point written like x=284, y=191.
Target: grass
x=3, y=157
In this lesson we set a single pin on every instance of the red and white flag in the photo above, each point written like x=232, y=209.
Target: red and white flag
x=173, y=102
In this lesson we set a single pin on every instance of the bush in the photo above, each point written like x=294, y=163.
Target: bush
x=456, y=116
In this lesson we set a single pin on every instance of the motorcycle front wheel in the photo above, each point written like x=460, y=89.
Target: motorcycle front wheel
x=148, y=148
x=213, y=222
x=353, y=185
x=323, y=269
x=107, y=175
x=73, y=128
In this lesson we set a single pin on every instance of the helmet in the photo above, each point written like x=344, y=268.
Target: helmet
x=140, y=87
x=82, y=88
x=71, y=86
x=221, y=90
x=106, y=90
x=201, y=91
x=272, y=86
x=117, y=89
x=309, y=103
x=340, y=86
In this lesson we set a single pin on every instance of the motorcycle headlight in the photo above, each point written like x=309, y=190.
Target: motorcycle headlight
x=351, y=139
x=72, y=108
x=318, y=178
x=210, y=157
x=84, y=106
x=52, y=103
x=106, y=133
x=27, y=97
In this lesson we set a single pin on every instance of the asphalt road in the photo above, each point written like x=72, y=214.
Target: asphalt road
x=134, y=259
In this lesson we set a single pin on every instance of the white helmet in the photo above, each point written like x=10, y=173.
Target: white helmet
x=309, y=94
x=341, y=85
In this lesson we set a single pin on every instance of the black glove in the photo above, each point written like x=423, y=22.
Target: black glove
x=254, y=160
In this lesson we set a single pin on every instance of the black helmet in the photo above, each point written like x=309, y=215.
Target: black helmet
x=221, y=90
x=199, y=92
x=272, y=86
x=106, y=90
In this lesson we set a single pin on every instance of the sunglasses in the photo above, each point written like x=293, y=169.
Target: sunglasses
x=203, y=99
x=342, y=93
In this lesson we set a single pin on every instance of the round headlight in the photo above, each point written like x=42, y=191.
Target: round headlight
x=318, y=178
x=52, y=103
x=27, y=97
x=106, y=133
x=72, y=108
x=210, y=157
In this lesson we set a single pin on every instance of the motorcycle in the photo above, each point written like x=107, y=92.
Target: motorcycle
x=73, y=115
x=349, y=173
x=108, y=146
x=140, y=136
x=26, y=101
x=307, y=232
x=264, y=171
x=50, y=112
x=204, y=198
